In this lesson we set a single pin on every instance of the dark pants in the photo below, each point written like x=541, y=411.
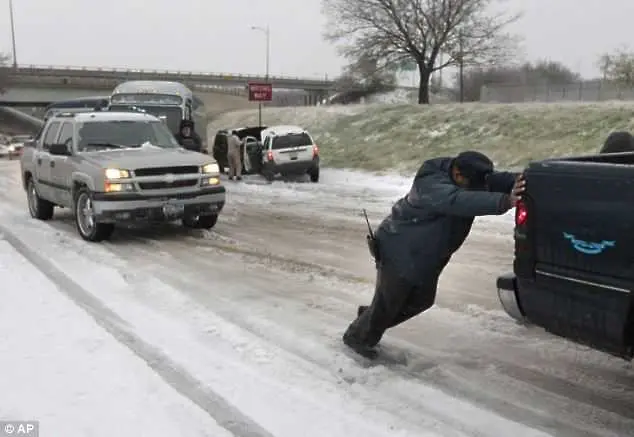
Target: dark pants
x=395, y=301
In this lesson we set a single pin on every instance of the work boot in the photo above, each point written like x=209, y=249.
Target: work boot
x=361, y=310
x=364, y=350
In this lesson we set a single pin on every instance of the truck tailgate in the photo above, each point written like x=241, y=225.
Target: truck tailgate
x=584, y=218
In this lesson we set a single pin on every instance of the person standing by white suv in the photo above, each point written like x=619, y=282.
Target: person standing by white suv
x=235, y=157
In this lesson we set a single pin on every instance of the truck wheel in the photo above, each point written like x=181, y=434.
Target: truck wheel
x=314, y=174
x=39, y=208
x=87, y=226
x=200, y=222
x=268, y=175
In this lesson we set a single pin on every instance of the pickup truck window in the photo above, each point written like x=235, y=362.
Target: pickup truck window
x=50, y=135
x=66, y=133
x=123, y=134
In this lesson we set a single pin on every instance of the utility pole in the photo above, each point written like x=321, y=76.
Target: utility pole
x=15, y=55
x=267, y=32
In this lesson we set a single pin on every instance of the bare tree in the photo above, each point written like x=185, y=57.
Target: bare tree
x=604, y=63
x=365, y=73
x=618, y=67
x=466, y=32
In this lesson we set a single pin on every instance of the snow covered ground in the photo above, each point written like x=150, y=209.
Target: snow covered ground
x=240, y=328
x=61, y=368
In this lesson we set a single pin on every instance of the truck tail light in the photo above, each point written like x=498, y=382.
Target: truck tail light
x=521, y=214
x=315, y=151
x=269, y=156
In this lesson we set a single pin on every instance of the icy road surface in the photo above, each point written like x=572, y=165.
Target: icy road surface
x=246, y=321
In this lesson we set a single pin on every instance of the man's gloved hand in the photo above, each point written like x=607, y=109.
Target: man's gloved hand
x=518, y=189
x=516, y=192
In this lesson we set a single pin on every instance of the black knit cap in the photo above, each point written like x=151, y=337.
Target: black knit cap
x=618, y=142
x=475, y=166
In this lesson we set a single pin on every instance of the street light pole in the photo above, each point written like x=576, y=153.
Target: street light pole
x=15, y=56
x=267, y=32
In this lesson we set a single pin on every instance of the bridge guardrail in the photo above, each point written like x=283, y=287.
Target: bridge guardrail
x=73, y=70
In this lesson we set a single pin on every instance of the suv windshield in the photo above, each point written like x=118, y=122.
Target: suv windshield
x=123, y=133
x=292, y=140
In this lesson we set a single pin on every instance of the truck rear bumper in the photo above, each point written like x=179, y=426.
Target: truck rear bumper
x=133, y=207
x=292, y=167
x=507, y=293
x=601, y=319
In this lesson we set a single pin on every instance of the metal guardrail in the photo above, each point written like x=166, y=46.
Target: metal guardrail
x=56, y=70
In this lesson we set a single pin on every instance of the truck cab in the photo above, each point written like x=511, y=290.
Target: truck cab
x=573, y=271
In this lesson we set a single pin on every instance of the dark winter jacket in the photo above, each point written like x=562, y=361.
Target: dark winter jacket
x=430, y=223
x=618, y=142
x=192, y=142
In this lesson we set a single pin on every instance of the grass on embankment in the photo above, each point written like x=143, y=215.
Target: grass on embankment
x=399, y=137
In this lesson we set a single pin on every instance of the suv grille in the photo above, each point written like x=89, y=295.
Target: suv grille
x=159, y=171
x=163, y=185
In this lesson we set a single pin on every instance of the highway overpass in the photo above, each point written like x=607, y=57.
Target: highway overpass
x=214, y=100
x=27, y=89
x=33, y=74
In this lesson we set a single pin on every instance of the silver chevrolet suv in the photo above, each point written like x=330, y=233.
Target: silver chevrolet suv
x=116, y=167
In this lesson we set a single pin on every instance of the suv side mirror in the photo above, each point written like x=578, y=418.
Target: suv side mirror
x=59, y=150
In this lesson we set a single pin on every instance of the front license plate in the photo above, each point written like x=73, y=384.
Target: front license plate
x=173, y=210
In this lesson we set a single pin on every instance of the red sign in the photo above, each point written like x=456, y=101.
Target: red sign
x=260, y=92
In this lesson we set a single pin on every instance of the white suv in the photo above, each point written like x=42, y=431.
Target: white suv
x=289, y=150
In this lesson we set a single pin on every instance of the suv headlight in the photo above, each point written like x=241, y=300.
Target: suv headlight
x=211, y=169
x=115, y=173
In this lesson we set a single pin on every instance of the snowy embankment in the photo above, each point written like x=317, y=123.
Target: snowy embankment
x=383, y=137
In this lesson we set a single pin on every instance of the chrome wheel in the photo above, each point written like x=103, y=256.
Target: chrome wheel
x=85, y=214
x=32, y=199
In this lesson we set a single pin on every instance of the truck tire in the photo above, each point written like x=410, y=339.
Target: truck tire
x=89, y=229
x=314, y=174
x=268, y=175
x=200, y=222
x=39, y=208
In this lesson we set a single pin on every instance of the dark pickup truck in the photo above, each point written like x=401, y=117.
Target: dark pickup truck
x=573, y=272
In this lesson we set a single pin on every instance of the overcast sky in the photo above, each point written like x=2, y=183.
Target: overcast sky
x=216, y=35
